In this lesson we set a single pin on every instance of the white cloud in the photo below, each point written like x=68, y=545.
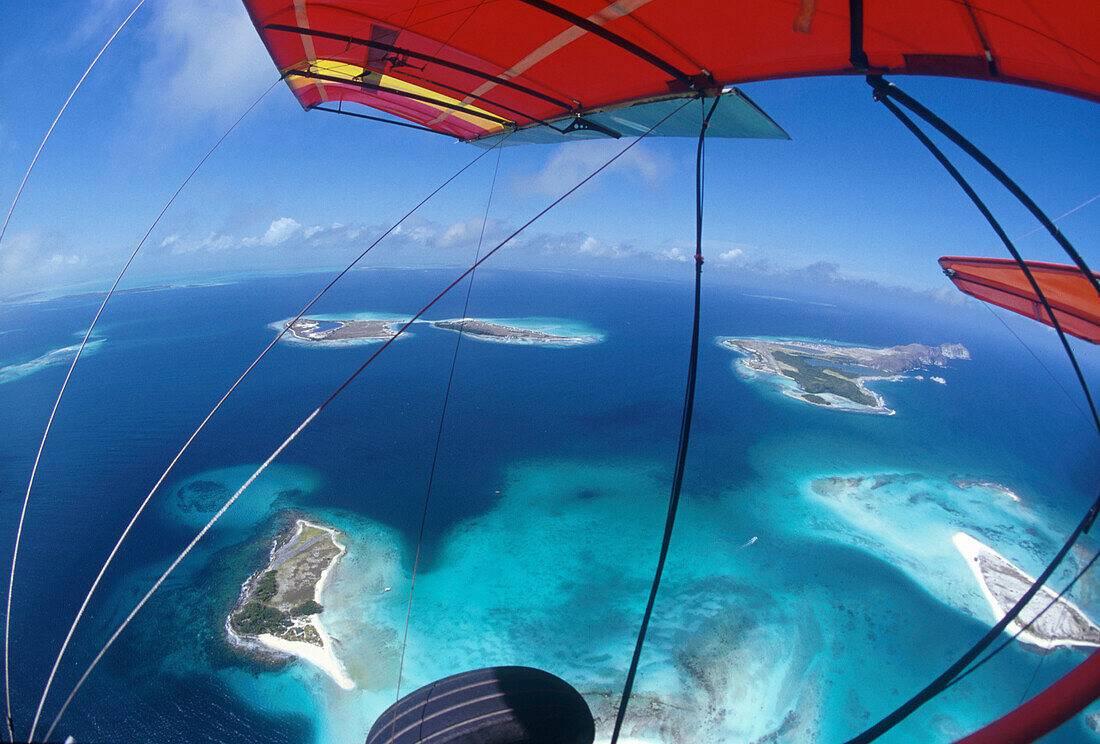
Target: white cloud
x=32, y=259
x=570, y=164
x=18, y=253
x=590, y=245
x=567, y=244
x=949, y=295
x=100, y=21
x=208, y=63
x=33, y=252
x=281, y=230
x=460, y=232
x=432, y=237
x=215, y=242
x=731, y=255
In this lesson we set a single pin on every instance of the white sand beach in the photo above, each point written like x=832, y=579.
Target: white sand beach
x=322, y=656
x=1003, y=583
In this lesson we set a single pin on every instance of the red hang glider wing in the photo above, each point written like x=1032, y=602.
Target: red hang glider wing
x=472, y=69
x=1002, y=282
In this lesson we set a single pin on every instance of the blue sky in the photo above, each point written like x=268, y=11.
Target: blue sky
x=852, y=195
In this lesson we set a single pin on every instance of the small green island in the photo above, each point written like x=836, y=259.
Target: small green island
x=279, y=607
x=484, y=330
x=834, y=376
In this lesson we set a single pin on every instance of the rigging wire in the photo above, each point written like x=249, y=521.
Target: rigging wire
x=685, y=431
x=439, y=438
x=1059, y=218
x=1015, y=335
x=1031, y=681
x=4, y=229
x=883, y=91
x=1038, y=360
x=450, y=37
x=309, y=419
x=76, y=358
x=1025, y=627
x=57, y=118
x=217, y=406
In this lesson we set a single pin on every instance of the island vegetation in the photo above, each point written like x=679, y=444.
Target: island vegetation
x=281, y=601
x=834, y=376
x=279, y=606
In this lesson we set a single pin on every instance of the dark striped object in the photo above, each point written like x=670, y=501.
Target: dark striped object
x=496, y=705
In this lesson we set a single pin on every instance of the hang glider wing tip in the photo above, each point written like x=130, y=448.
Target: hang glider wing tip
x=1003, y=283
x=665, y=116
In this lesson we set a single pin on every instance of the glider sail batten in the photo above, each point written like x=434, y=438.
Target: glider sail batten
x=530, y=61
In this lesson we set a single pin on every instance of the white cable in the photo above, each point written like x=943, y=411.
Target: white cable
x=213, y=411
x=58, y=117
x=1067, y=214
x=23, y=513
x=172, y=567
x=80, y=612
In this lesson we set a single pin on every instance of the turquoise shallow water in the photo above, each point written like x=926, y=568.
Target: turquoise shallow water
x=546, y=512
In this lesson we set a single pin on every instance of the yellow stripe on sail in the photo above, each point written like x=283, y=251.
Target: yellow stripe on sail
x=356, y=74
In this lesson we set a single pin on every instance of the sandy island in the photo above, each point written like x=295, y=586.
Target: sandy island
x=1064, y=624
x=280, y=607
x=484, y=330
x=323, y=332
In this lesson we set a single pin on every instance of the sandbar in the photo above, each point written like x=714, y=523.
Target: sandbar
x=13, y=372
x=1003, y=583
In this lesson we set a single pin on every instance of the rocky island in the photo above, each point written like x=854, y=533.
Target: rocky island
x=1064, y=624
x=279, y=606
x=835, y=376
x=484, y=330
x=338, y=332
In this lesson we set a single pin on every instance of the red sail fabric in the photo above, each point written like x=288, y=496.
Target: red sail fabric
x=1001, y=282
x=506, y=60
x=1046, y=711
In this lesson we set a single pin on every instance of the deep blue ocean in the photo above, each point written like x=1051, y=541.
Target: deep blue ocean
x=546, y=507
